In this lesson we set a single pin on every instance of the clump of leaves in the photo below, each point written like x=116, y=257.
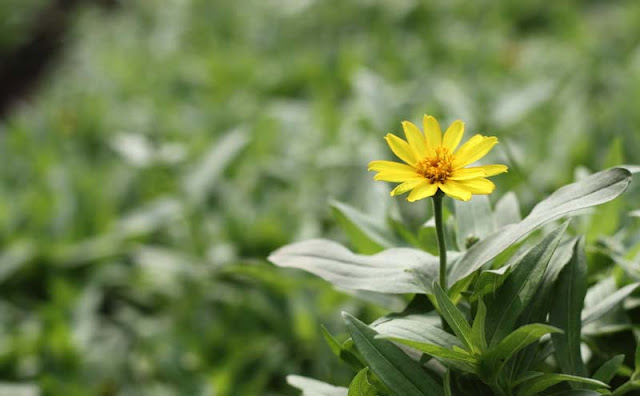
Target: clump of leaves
x=524, y=312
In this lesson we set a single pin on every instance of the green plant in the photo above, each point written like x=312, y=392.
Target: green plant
x=517, y=311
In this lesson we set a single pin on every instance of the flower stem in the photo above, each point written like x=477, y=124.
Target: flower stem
x=442, y=248
x=626, y=387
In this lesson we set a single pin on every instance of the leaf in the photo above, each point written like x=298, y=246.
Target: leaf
x=360, y=385
x=394, y=368
x=456, y=358
x=447, y=383
x=203, y=177
x=603, y=306
x=477, y=328
x=593, y=190
x=494, y=360
x=336, y=347
x=538, y=384
x=489, y=281
x=636, y=371
x=608, y=370
x=507, y=210
x=312, y=387
x=418, y=328
x=391, y=271
x=571, y=289
x=454, y=317
x=473, y=220
x=513, y=297
x=365, y=235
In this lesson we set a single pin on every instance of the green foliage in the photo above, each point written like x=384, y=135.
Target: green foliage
x=170, y=146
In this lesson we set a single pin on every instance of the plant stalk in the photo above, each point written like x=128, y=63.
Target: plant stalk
x=442, y=246
x=626, y=387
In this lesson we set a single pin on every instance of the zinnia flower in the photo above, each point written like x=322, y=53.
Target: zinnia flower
x=434, y=163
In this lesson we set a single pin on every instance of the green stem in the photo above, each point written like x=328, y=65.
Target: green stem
x=626, y=387
x=442, y=247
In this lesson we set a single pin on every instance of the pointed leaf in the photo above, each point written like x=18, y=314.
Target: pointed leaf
x=360, y=385
x=538, y=384
x=496, y=358
x=593, y=190
x=391, y=271
x=365, y=235
x=477, y=328
x=504, y=308
x=608, y=370
x=394, y=368
x=456, y=358
x=571, y=288
x=594, y=312
x=418, y=328
x=507, y=210
x=454, y=317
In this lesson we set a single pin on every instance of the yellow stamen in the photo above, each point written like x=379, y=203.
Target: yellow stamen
x=436, y=168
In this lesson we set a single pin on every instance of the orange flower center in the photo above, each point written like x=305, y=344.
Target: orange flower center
x=436, y=168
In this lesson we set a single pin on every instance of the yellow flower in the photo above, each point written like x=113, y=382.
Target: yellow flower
x=434, y=163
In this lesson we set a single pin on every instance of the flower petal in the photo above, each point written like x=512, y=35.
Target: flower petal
x=423, y=190
x=389, y=166
x=455, y=190
x=406, y=186
x=415, y=138
x=474, y=149
x=432, y=132
x=467, y=173
x=478, y=186
x=453, y=135
x=494, y=169
x=401, y=149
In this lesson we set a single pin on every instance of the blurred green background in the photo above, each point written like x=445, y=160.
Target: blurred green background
x=167, y=147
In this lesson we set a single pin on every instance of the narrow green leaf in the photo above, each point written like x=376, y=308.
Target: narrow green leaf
x=360, y=385
x=394, y=368
x=392, y=271
x=477, y=328
x=416, y=327
x=513, y=297
x=538, y=384
x=365, y=234
x=593, y=190
x=604, y=305
x=494, y=360
x=608, y=370
x=489, y=281
x=571, y=288
x=457, y=358
x=312, y=387
x=447, y=383
x=337, y=348
x=454, y=317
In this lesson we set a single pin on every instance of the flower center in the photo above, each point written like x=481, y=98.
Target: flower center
x=437, y=168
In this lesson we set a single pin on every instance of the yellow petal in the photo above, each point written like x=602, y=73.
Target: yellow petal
x=478, y=186
x=453, y=135
x=455, y=190
x=474, y=149
x=492, y=170
x=415, y=138
x=432, y=132
x=389, y=166
x=396, y=176
x=467, y=173
x=401, y=149
x=423, y=190
x=406, y=186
